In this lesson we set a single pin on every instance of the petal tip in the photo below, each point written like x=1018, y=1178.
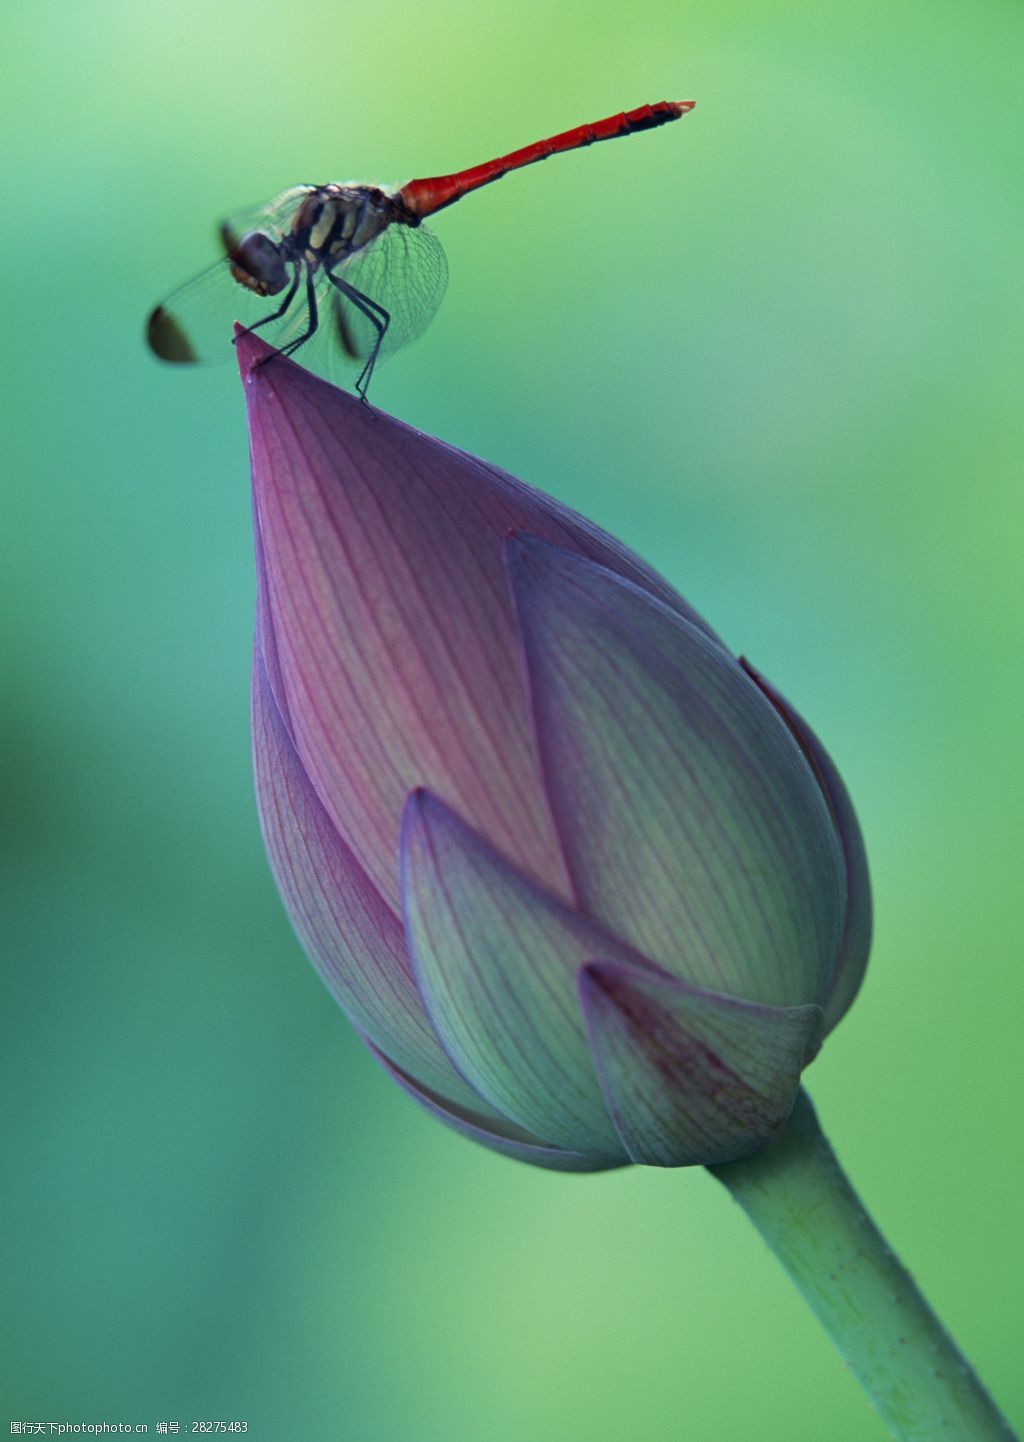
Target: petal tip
x=426, y=826
x=251, y=352
x=528, y=551
x=285, y=374
x=604, y=978
x=412, y=819
x=422, y=807
x=541, y=571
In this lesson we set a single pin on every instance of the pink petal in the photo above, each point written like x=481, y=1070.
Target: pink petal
x=396, y=656
x=350, y=933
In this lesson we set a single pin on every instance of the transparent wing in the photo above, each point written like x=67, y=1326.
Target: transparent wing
x=406, y=272
x=195, y=322
x=275, y=216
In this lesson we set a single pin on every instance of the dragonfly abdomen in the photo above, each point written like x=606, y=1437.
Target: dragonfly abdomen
x=425, y=197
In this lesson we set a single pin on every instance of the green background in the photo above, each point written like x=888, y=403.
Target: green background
x=777, y=349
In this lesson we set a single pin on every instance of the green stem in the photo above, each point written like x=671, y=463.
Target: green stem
x=799, y=1199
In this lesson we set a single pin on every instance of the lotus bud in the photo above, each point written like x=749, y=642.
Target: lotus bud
x=588, y=887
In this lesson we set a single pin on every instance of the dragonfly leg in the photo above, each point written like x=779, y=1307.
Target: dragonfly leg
x=280, y=310
x=378, y=317
x=310, y=330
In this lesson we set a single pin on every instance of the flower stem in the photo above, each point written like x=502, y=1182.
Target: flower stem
x=799, y=1199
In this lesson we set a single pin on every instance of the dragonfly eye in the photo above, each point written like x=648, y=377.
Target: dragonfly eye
x=257, y=264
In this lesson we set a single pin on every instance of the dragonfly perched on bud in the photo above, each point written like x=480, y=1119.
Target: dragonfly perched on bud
x=348, y=271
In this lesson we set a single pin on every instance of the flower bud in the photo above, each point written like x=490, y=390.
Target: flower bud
x=588, y=887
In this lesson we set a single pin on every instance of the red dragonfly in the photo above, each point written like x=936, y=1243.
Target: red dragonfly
x=356, y=271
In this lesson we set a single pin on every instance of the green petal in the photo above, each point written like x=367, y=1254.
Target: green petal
x=499, y=1136
x=692, y=1077
x=852, y=958
x=693, y=825
x=496, y=958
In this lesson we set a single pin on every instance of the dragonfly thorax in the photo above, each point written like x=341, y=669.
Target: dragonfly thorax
x=335, y=221
x=332, y=223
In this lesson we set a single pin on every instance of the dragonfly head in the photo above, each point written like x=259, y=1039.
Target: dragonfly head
x=257, y=262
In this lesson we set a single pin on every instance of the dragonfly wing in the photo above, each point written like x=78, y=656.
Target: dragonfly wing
x=195, y=322
x=274, y=217
x=405, y=272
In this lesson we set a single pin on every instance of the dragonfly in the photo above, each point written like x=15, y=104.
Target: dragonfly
x=346, y=272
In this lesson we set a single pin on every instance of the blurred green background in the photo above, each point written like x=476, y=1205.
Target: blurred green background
x=777, y=348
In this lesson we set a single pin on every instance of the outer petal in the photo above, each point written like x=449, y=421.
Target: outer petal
x=264, y=643
x=692, y=824
x=496, y=959
x=502, y=1137
x=353, y=938
x=852, y=959
x=395, y=650
x=692, y=1077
